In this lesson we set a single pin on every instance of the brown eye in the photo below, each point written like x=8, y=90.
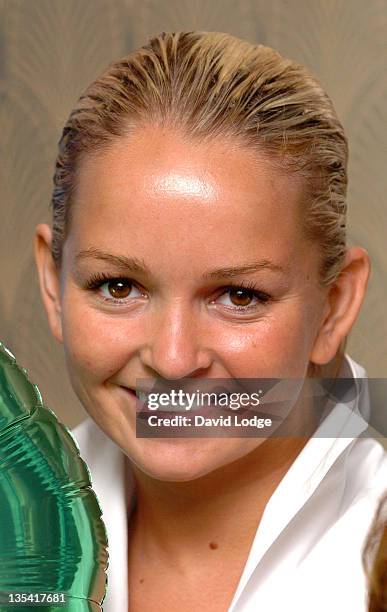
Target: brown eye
x=240, y=297
x=119, y=289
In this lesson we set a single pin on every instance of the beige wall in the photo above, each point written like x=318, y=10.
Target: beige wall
x=51, y=49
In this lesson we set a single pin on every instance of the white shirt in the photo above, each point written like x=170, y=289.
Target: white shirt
x=306, y=554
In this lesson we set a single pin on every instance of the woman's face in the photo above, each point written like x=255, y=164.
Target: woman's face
x=181, y=221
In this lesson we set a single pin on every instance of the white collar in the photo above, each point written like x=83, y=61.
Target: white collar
x=308, y=471
x=106, y=464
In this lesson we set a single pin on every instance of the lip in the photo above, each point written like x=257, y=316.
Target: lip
x=143, y=406
x=156, y=388
x=219, y=390
x=209, y=411
x=140, y=406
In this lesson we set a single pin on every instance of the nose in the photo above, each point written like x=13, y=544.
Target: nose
x=176, y=347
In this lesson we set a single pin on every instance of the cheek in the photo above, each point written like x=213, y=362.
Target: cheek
x=96, y=345
x=277, y=346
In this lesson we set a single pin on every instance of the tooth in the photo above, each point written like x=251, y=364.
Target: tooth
x=143, y=397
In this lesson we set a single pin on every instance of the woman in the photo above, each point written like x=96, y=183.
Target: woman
x=199, y=233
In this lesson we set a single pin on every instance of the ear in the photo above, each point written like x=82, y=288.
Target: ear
x=343, y=302
x=48, y=279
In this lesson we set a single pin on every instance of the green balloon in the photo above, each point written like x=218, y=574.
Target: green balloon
x=52, y=537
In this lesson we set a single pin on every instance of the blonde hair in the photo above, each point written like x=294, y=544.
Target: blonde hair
x=374, y=559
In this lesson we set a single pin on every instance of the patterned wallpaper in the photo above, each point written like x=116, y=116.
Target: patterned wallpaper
x=51, y=49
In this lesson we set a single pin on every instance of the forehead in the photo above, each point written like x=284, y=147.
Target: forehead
x=172, y=189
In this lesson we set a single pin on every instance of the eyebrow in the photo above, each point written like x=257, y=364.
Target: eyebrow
x=230, y=272
x=135, y=264
x=121, y=261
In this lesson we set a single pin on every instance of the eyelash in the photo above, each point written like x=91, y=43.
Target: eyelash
x=97, y=280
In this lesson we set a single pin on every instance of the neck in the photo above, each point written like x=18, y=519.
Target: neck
x=178, y=520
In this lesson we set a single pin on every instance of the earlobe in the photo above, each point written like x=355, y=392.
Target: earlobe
x=343, y=304
x=48, y=279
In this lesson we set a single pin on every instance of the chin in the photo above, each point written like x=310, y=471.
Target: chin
x=186, y=459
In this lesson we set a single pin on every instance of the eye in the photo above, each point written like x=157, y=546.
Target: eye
x=243, y=297
x=118, y=289
x=115, y=290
